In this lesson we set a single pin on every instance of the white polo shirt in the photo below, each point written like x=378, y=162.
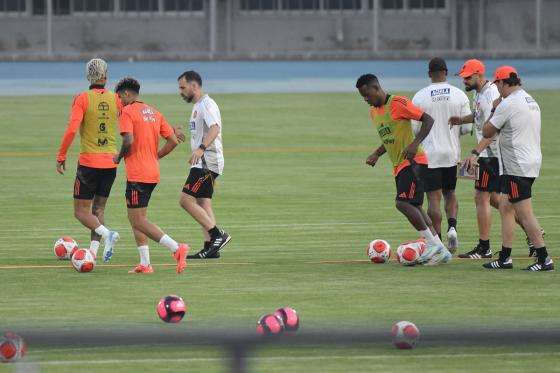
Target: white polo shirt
x=206, y=113
x=442, y=101
x=518, y=118
x=482, y=106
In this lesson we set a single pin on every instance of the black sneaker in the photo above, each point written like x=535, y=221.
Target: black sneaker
x=218, y=243
x=547, y=265
x=498, y=264
x=204, y=254
x=532, y=250
x=477, y=253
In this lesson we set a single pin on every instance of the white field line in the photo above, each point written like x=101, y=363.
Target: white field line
x=397, y=355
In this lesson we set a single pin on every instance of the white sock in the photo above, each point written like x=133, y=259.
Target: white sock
x=102, y=231
x=439, y=240
x=93, y=247
x=430, y=238
x=144, y=252
x=169, y=242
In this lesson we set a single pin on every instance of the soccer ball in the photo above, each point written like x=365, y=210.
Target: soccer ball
x=64, y=248
x=405, y=335
x=83, y=260
x=270, y=325
x=290, y=319
x=171, y=308
x=409, y=252
x=379, y=251
x=12, y=347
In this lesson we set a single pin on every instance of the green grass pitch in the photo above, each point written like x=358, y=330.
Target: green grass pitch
x=301, y=206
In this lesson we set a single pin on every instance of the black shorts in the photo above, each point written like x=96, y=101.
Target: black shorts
x=517, y=188
x=138, y=194
x=92, y=182
x=488, y=175
x=410, y=184
x=440, y=178
x=200, y=183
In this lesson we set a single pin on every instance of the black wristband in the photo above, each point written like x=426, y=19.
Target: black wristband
x=475, y=152
x=202, y=146
x=493, y=110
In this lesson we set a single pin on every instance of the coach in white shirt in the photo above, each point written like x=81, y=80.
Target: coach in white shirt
x=441, y=100
x=206, y=163
x=487, y=185
x=516, y=116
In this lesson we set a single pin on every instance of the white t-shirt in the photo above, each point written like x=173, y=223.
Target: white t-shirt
x=482, y=106
x=518, y=118
x=206, y=113
x=442, y=101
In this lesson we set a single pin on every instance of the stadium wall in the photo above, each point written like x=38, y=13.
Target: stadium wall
x=227, y=30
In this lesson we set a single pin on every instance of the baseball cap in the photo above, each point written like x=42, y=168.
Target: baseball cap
x=470, y=68
x=504, y=72
x=437, y=64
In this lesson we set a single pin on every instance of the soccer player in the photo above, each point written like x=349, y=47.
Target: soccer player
x=442, y=146
x=94, y=113
x=140, y=127
x=207, y=163
x=392, y=117
x=516, y=116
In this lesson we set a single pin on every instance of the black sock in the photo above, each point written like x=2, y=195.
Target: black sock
x=214, y=232
x=452, y=223
x=485, y=244
x=505, y=253
x=542, y=254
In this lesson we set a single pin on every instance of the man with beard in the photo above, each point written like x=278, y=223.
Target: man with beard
x=207, y=163
x=487, y=187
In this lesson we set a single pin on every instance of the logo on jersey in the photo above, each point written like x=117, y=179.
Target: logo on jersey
x=194, y=114
x=193, y=125
x=103, y=106
x=441, y=94
x=441, y=91
x=385, y=134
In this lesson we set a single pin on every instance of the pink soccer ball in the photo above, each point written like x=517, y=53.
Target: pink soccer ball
x=379, y=251
x=408, y=253
x=270, y=325
x=83, y=260
x=405, y=335
x=171, y=308
x=12, y=347
x=64, y=248
x=290, y=319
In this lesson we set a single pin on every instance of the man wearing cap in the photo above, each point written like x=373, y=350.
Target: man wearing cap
x=94, y=113
x=441, y=100
x=516, y=116
x=487, y=186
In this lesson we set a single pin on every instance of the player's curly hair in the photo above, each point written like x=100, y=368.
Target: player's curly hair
x=96, y=70
x=128, y=83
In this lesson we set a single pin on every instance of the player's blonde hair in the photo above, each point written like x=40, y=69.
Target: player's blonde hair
x=96, y=70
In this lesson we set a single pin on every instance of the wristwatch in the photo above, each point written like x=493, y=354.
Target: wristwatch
x=474, y=151
x=202, y=146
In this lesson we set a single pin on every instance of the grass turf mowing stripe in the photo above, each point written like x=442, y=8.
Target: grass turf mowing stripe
x=128, y=265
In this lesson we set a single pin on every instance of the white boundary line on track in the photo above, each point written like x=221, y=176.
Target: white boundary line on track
x=397, y=355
